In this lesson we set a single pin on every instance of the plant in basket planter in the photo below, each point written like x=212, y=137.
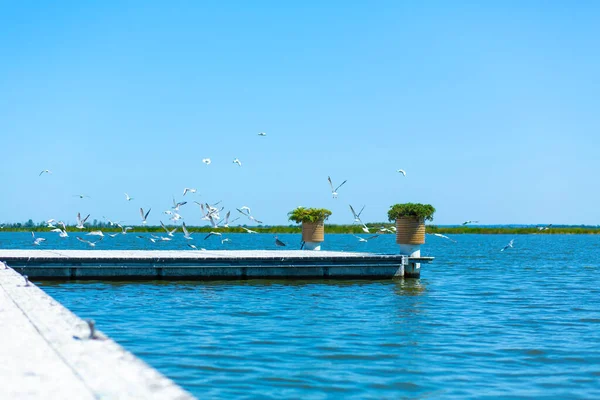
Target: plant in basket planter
x=410, y=221
x=313, y=225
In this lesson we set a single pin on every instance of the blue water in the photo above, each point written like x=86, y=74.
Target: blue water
x=480, y=323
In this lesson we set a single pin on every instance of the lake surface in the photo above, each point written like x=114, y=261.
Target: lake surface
x=480, y=323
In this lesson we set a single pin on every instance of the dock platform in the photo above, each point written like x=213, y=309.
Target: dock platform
x=49, y=353
x=205, y=264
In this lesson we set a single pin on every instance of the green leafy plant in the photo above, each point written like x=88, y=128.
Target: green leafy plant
x=421, y=211
x=302, y=214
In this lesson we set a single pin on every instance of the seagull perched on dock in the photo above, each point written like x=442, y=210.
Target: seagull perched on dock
x=334, y=193
x=144, y=216
x=510, y=244
x=279, y=243
x=190, y=190
x=46, y=171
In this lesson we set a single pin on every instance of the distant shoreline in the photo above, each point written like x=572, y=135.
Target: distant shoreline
x=329, y=228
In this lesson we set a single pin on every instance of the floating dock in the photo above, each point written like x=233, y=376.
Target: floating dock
x=206, y=264
x=49, y=353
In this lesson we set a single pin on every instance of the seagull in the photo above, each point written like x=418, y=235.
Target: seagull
x=279, y=243
x=225, y=240
x=361, y=239
x=127, y=197
x=444, y=237
x=246, y=211
x=144, y=238
x=186, y=234
x=384, y=229
x=80, y=221
x=144, y=216
x=50, y=223
x=206, y=161
x=510, y=244
x=112, y=235
x=192, y=246
x=37, y=241
x=176, y=205
x=357, y=216
x=334, y=191
x=544, y=228
x=470, y=222
x=96, y=233
x=365, y=229
x=248, y=230
x=47, y=171
x=124, y=229
x=82, y=196
x=61, y=232
x=170, y=233
x=188, y=190
x=92, y=244
x=262, y=134
x=403, y=172
x=212, y=234
x=237, y=161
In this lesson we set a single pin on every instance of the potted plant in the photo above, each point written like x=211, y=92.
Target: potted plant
x=410, y=221
x=313, y=223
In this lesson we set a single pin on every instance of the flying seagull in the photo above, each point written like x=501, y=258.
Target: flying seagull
x=82, y=196
x=170, y=233
x=469, y=222
x=357, y=216
x=237, y=161
x=262, y=134
x=92, y=244
x=127, y=197
x=444, y=237
x=81, y=222
x=96, y=233
x=279, y=243
x=188, y=190
x=403, y=172
x=510, y=244
x=144, y=216
x=46, y=171
x=248, y=230
x=206, y=161
x=212, y=233
x=361, y=239
x=334, y=191
x=37, y=241
x=544, y=228
x=186, y=234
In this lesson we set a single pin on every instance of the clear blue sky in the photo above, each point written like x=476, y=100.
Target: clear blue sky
x=491, y=109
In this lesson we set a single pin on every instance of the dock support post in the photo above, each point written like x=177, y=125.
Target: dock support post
x=412, y=269
x=312, y=246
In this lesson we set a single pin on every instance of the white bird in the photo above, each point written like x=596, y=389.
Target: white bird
x=112, y=235
x=50, y=223
x=124, y=229
x=365, y=229
x=237, y=161
x=144, y=216
x=225, y=240
x=544, y=228
x=212, y=233
x=383, y=229
x=206, y=161
x=192, y=246
x=37, y=241
x=361, y=239
x=186, y=234
x=510, y=244
x=334, y=191
x=81, y=222
x=82, y=196
x=170, y=233
x=248, y=230
x=470, y=222
x=176, y=205
x=96, y=233
x=403, y=172
x=444, y=237
x=127, y=197
x=262, y=134
x=47, y=171
x=186, y=190
x=246, y=211
x=357, y=216
x=92, y=244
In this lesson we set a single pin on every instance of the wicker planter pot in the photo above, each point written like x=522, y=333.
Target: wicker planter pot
x=313, y=231
x=410, y=230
